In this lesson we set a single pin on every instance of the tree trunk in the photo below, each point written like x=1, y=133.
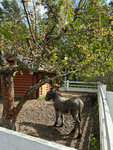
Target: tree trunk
x=10, y=112
x=8, y=101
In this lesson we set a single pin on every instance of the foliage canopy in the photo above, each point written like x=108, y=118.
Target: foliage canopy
x=69, y=35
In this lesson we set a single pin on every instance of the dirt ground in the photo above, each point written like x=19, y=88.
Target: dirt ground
x=37, y=117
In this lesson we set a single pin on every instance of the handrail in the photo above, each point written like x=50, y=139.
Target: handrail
x=106, y=124
x=80, y=82
x=80, y=86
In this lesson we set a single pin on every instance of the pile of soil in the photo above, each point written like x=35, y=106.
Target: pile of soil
x=37, y=117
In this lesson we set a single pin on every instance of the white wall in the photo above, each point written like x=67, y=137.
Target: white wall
x=110, y=103
x=11, y=140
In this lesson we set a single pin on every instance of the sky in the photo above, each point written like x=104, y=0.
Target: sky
x=105, y=0
x=42, y=10
x=108, y=1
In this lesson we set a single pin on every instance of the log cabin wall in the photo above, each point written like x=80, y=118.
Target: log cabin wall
x=25, y=79
x=22, y=82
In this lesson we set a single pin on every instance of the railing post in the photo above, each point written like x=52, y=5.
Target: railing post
x=104, y=89
x=67, y=83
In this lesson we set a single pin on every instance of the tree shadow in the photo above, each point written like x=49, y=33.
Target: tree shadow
x=45, y=132
x=51, y=133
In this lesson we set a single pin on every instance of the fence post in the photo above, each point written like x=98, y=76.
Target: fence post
x=104, y=89
x=67, y=83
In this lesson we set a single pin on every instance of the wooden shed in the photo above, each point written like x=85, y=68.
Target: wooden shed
x=25, y=79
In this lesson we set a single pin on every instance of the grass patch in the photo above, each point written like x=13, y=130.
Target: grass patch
x=94, y=142
x=41, y=98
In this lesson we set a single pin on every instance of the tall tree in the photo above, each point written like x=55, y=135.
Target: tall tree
x=68, y=36
x=10, y=11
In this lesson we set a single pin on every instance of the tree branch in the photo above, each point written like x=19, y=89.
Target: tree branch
x=25, y=10
x=30, y=27
x=9, y=70
x=82, y=19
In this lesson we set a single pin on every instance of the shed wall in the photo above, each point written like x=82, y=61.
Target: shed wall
x=25, y=79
